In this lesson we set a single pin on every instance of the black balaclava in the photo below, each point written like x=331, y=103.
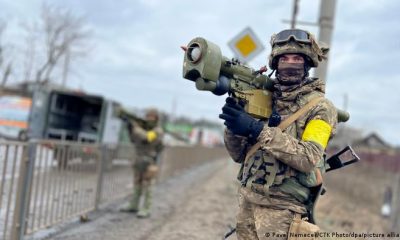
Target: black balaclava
x=289, y=74
x=150, y=124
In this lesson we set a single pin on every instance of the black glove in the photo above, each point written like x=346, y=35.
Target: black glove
x=274, y=119
x=240, y=122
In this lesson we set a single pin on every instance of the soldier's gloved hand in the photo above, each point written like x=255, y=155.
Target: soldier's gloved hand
x=238, y=121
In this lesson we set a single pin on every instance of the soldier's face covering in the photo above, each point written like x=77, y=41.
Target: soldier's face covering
x=289, y=74
x=151, y=124
x=151, y=121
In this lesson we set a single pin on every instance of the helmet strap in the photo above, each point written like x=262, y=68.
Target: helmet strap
x=269, y=75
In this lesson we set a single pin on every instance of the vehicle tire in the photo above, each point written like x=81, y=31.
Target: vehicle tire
x=23, y=136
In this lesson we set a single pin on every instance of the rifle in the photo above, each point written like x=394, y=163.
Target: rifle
x=333, y=163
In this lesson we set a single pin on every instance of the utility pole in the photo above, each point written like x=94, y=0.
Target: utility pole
x=293, y=22
x=345, y=101
x=294, y=14
x=65, y=68
x=395, y=208
x=173, y=109
x=326, y=20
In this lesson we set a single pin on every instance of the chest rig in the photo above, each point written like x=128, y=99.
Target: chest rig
x=260, y=170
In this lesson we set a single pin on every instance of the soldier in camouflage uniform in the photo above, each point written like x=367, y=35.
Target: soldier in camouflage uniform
x=276, y=179
x=148, y=141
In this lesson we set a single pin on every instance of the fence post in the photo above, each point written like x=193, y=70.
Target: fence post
x=100, y=174
x=24, y=184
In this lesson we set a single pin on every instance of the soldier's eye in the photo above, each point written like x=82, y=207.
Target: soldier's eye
x=298, y=59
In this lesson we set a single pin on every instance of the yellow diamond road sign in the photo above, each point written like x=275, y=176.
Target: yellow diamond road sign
x=246, y=45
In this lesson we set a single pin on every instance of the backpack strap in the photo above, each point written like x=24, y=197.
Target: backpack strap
x=286, y=123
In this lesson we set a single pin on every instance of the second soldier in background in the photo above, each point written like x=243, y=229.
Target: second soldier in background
x=147, y=136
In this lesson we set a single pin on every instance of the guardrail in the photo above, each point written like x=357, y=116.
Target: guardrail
x=44, y=183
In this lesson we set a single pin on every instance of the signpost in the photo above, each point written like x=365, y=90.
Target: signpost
x=246, y=45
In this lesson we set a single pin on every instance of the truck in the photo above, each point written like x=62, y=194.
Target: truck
x=73, y=116
x=70, y=116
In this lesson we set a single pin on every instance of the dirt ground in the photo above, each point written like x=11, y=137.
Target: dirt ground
x=354, y=198
x=200, y=204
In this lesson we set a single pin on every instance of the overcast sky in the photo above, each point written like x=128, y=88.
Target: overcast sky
x=137, y=61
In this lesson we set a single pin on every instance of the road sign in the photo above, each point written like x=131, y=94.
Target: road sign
x=246, y=45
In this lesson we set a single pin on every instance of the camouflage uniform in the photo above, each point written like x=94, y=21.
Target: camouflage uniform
x=269, y=198
x=148, y=146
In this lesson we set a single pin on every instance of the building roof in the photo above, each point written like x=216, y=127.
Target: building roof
x=372, y=140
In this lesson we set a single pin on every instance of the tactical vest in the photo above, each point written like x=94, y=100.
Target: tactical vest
x=262, y=170
x=146, y=149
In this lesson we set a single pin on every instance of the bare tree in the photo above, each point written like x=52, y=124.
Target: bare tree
x=5, y=66
x=65, y=38
x=29, y=51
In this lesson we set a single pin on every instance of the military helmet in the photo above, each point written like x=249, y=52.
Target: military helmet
x=296, y=41
x=152, y=112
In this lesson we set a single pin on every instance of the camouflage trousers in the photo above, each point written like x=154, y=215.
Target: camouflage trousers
x=142, y=187
x=262, y=222
x=141, y=178
x=140, y=181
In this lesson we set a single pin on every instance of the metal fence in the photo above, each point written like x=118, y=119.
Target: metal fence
x=47, y=182
x=11, y=155
x=43, y=183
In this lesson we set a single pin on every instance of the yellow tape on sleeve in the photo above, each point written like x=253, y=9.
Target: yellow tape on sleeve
x=151, y=136
x=317, y=131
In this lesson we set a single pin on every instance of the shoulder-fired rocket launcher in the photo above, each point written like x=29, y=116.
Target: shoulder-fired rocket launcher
x=211, y=71
x=130, y=117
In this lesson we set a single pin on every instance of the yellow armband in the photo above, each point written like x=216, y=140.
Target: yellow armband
x=317, y=131
x=151, y=136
